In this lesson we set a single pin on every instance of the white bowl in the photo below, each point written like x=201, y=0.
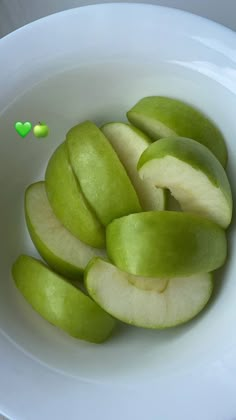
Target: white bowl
x=95, y=63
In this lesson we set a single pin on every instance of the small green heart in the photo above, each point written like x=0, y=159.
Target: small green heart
x=23, y=128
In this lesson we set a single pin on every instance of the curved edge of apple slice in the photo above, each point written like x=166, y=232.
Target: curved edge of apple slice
x=166, y=244
x=65, y=253
x=129, y=143
x=161, y=116
x=68, y=201
x=159, y=306
x=192, y=173
x=100, y=173
x=60, y=302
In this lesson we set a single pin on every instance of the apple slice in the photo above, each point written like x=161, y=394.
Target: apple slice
x=65, y=253
x=192, y=173
x=166, y=244
x=129, y=143
x=68, y=202
x=147, y=302
x=59, y=302
x=100, y=173
x=159, y=117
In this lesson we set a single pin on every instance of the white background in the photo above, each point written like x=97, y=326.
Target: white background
x=16, y=13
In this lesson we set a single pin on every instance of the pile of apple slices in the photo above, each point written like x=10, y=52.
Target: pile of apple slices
x=102, y=216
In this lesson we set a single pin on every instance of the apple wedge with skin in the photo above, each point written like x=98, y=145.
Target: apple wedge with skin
x=166, y=244
x=59, y=302
x=68, y=202
x=129, y=143
x=160, y=117
x=147, y=302
x=193, y=175
x=63, y=252
x=100, y=173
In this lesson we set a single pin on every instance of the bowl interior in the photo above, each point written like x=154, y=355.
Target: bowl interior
x=102, y=88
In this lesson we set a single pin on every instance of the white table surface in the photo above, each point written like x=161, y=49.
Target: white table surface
x=16, y=13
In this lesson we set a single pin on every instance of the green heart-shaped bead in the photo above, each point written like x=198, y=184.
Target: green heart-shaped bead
x=23, y=128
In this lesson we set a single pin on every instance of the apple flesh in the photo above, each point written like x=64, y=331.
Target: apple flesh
x=63, y=252
x=192, y=173
x=59, y=302
x=68, y=202
x=101, y=175
x=159, y=117
x=166, y=244
x=147, y=302
x=129, y=143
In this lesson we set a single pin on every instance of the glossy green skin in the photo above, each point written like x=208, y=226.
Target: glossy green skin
x=68, y=201
x=166, y=244
x=41, y=130
x=100, y=173
x=192, y=153
x=60, y=303
x=160, y=117
x=55, y=256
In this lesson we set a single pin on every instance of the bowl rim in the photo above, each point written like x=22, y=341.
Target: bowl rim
x=174, y=10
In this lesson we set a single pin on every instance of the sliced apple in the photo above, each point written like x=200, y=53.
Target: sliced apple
x=166, y=244
x=129, y=143
x=159, y=117
x=59, y=302
x=147, y=302
x=68, y=201
x=101, y=175
x=192, y=173
x=65, y=253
